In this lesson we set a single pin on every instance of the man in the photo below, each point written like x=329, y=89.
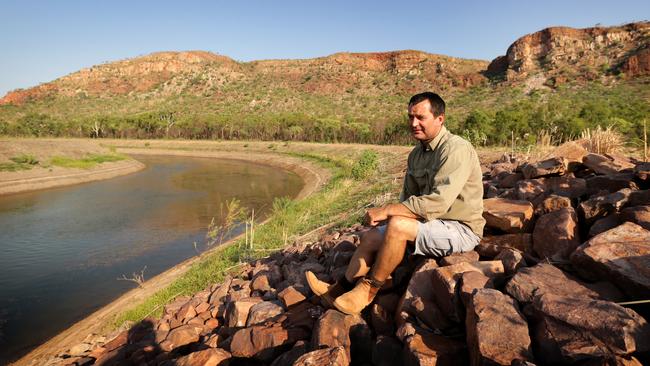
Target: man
x=440, y=210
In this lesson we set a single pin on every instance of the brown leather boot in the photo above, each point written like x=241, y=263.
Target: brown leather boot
x=353, y=302
x=323, y=289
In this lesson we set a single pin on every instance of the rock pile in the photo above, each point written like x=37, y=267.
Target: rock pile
x=566, y=239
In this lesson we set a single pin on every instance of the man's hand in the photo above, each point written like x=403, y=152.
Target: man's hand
x=376, y=215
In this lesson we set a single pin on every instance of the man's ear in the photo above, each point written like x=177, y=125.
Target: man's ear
x=442, y=118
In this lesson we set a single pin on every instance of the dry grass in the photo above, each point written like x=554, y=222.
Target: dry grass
x=602, y=141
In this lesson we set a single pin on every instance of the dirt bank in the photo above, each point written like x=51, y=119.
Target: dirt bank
x=44, y=175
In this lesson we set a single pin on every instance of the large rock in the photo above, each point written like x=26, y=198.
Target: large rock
x=455, y=258
x=470, y=281
x=569, y=329
x=512, y=260
x=510, y=216
x=335, y=356
x=387, y=351
x=639, y=215
x=566, y=186
x=552, y=203
x=532, y=190
x=425, y=348
x=219, y=294
x=605, y=165
x=606, y=223
x=546, y=278
x=620, y=255
x=497, y=333
x=207, y=357
x=445, y=284
x=237, y=311
x=572, y=152
x=601, y=205
x=177, y=337
x=263, y=311
x=291, y=296
x=556, y=234
x=490, y=246
x=335, y=329
x=639, y=198
x=266, y=341
x=418, y=300
x=557, y=165
x=610, y=183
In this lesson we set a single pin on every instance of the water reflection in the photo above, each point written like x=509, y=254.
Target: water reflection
x=62, y=249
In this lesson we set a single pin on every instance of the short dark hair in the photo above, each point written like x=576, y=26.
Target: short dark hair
x=436, y=102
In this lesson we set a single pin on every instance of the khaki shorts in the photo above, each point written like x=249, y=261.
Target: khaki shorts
x=439, y=238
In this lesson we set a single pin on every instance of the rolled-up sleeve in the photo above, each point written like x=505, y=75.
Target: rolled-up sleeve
x=448, y=181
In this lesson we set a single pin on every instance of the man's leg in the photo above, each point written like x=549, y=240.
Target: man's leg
x=398, y=232
x=358, y=266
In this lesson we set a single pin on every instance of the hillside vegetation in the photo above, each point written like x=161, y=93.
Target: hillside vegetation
x=551, y=84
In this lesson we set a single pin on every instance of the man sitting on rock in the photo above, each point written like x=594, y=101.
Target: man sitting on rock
x=440, y=210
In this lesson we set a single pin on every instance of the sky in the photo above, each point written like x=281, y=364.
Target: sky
x=44, y=40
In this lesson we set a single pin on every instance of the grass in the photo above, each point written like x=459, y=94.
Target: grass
x=18, y=163
x=342, y=201
x=86, y=162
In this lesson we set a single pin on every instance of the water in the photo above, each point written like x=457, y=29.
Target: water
x=62, y=250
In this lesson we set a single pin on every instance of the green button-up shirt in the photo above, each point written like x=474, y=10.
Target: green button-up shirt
x=444, y=181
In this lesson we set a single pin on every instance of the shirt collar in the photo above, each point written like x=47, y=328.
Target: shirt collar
x=436, y=140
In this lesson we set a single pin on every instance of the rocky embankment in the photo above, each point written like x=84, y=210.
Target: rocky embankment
x=567, y=240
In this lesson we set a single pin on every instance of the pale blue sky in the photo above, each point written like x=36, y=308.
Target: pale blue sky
x=43, y=40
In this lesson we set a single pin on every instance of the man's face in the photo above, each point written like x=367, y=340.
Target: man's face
x=424, y=126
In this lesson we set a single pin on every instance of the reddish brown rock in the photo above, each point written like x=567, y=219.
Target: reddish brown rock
x=185, y=334
x=512, y=260
x=552, y=203
x=531, y=190
x=266, y=278
x=620, y=255
x=425, y=348
x=117, y=342
x=545, y=278
x=291, y=296
x=604, y=165
x=601, y=225
x=510, y=216
x=173, y=307
x=237, y=311
x=455, y=258
x=335, y=329
x=266, y=341
x=556, y=234
x=263, y=311
x=601, y=205
x=557, y=165
x=491, y=246
x=201, y=307
x=497, y=332
x=288, y=358
x=445, y=280
x=572, y=152
x=610, y=183
x=566, y=186
x=470, y=281
x=207, y=357
x=239, y=289
x=382, y=311
x=418, y=300
x=219, y=294
x=327, y=356
x=569, y=329
x=509, y=180
x=639, y=215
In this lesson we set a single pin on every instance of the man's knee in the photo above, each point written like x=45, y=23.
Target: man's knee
x=372, y=239
x=403, y=226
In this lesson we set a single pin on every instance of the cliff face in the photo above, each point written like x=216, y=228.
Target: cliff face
x=200, y=73
x=560, y=54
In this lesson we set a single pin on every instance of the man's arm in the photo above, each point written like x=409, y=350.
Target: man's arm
x=376, y=215
x=448, y=182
